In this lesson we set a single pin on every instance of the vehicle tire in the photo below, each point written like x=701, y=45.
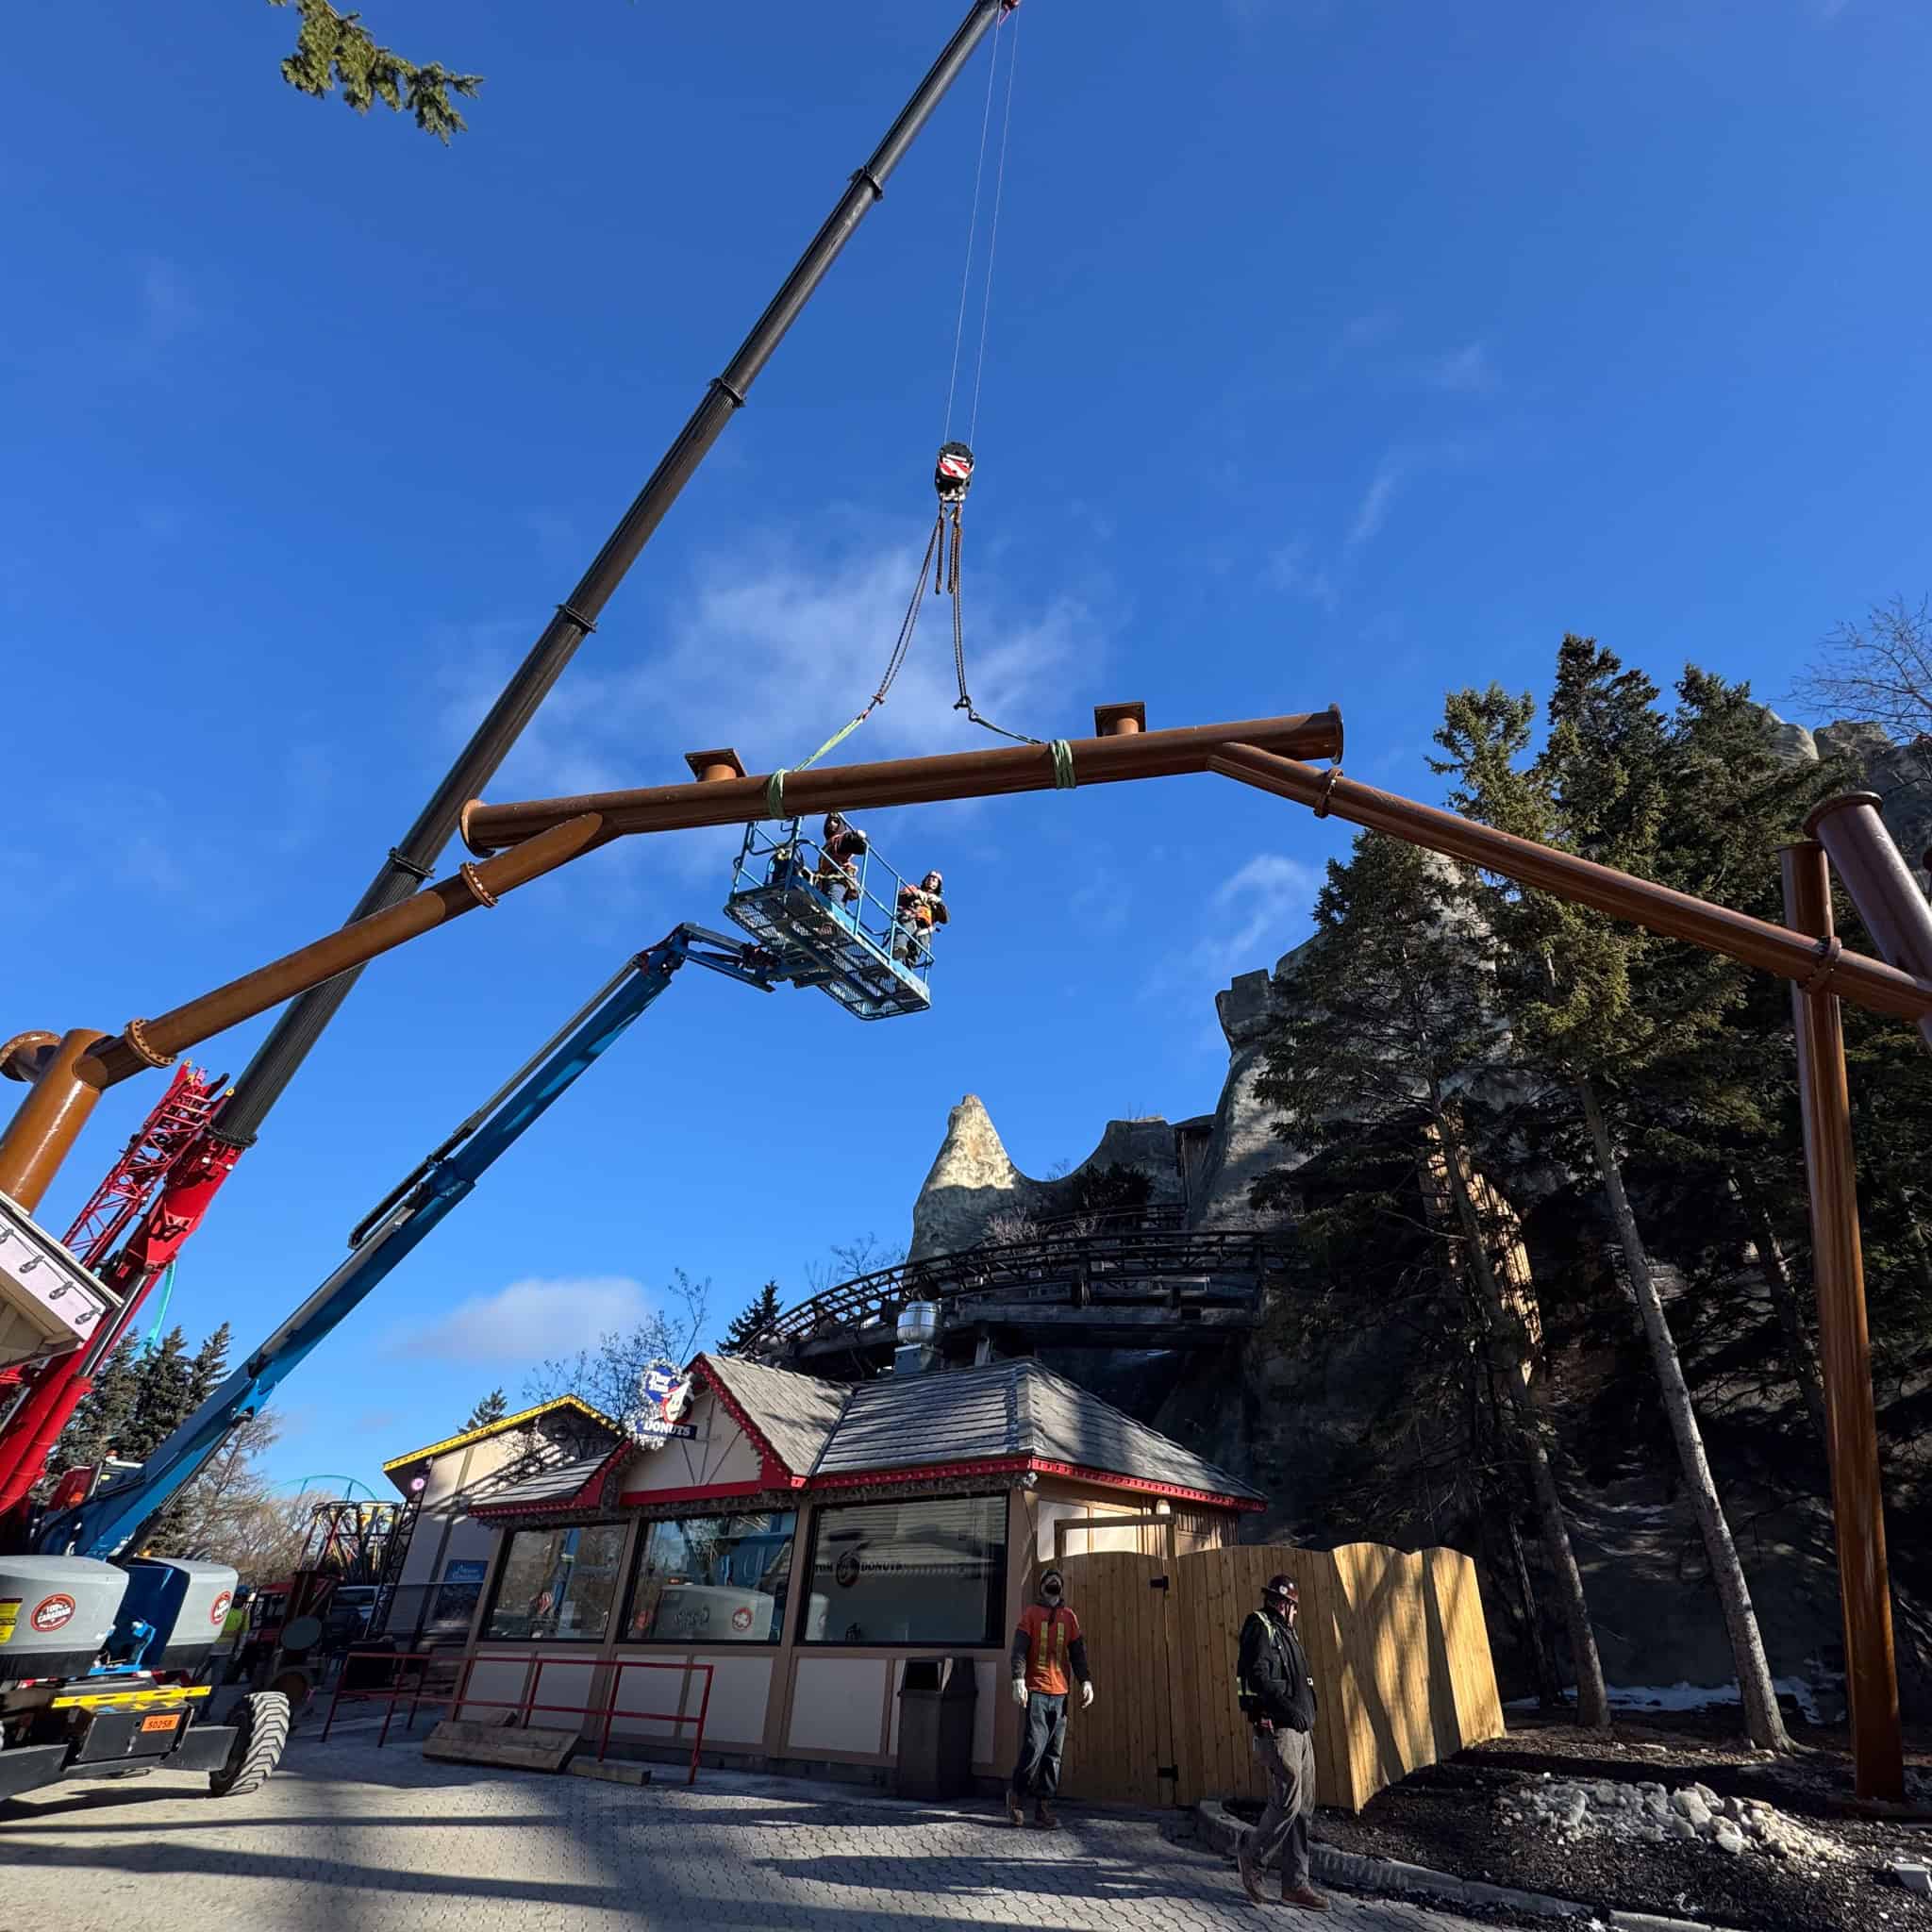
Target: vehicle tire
x=261, y=1731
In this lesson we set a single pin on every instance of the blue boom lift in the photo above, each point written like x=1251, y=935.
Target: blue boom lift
x=97, y=1656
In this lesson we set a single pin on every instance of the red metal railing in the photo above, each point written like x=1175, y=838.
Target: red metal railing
x=415, y=1694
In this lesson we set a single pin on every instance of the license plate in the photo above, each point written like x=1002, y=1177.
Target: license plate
x=168, y=1721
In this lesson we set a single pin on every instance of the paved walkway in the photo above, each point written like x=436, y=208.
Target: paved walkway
x=349, y=1839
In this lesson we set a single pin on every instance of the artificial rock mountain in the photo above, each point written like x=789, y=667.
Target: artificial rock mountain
x=1295, y=1423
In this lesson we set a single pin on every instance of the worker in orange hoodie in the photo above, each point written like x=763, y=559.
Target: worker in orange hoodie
x=1046, y=1646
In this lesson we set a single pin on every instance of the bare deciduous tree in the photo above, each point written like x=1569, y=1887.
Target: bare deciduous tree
x=1878, y=672
x=607, y=1375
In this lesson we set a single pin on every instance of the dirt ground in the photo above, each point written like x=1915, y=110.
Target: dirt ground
x=1447, y=1818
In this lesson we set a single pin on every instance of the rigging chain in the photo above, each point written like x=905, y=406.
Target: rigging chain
x=953, y=474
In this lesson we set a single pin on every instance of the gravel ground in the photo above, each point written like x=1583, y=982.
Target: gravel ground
x=1448, y=1818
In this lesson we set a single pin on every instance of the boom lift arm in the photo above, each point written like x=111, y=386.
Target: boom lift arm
x=115, y=1517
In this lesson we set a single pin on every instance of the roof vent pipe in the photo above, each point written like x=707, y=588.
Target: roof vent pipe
x=917, y=1335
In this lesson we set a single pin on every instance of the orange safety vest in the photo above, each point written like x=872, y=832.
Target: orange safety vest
x=1049, y=1636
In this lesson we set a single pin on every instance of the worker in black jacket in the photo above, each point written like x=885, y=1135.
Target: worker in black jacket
x=1278, y=1696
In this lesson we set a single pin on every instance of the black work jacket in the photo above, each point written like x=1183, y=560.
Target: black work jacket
x=1274, y=1680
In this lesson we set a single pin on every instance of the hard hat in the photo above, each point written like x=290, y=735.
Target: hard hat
x=1283, y=1586
x=934, y=882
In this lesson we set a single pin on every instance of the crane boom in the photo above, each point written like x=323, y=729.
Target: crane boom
x=186, y=1196
x=115, y=1516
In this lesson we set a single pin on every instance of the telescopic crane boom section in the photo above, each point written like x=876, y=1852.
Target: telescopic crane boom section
x=115, y=1516
x=413, y=860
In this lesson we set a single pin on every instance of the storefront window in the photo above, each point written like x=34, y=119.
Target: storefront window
x=558, y=1583
x=928, y=1571
x=712, y=1579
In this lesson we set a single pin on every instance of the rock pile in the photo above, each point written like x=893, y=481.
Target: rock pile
x=1648, y=1814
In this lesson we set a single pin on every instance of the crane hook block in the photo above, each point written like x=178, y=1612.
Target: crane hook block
x=953, y=476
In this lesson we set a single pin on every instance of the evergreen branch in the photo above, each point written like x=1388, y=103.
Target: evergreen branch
x=335, y=50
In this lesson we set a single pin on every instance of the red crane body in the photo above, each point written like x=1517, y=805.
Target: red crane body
x=171, y=1169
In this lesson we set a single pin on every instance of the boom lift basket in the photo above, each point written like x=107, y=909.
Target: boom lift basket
x=833, y=925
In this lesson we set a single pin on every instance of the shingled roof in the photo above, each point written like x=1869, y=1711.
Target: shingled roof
x=580, y=1485
x=795, y=1414
x=1007, y=1410
x=1007, y=1417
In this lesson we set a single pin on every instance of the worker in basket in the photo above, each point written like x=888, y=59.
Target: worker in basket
x=841, y=847
x=921, y=908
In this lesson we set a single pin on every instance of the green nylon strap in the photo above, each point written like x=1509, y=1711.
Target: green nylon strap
x=1063, y=779
x=775, y=785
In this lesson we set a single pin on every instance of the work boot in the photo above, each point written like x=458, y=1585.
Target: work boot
x=1251, y=1877
x=1305, y=1896
x=1016, y=1812
x=1043, y=1816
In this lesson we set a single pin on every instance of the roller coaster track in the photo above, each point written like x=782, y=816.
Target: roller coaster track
x=1139, y=1286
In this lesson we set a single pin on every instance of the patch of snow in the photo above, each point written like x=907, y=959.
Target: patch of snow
x=1565, y=1811
x=1689, y=1696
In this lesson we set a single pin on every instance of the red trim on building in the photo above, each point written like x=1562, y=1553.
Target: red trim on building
x=1027, y=1465
x=767, y=1455
x=704, y=1492
x=1106, y=1479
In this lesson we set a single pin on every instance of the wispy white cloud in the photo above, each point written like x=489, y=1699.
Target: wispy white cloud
x=1245, y=921
x=1467, y=371
x=1260, y=901
x=528, y=1320
x=1288, y=568
x=771, y=650
x=1365, y=331
x=1373, y=511
x=168, y=306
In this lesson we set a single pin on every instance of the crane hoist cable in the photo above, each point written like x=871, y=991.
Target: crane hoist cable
x=953, y=468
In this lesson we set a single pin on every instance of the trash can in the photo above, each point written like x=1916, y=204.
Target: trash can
x=937, y=1696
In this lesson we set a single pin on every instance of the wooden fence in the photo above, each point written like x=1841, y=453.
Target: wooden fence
x=1397, y=1644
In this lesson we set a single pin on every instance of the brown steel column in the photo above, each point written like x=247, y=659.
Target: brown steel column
x=44, y=1125
x=1879, y=882
x=1844, y=1348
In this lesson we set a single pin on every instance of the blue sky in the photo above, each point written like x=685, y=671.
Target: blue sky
x=1337, y=352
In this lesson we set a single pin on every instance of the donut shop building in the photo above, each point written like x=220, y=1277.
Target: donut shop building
x=809, y=1540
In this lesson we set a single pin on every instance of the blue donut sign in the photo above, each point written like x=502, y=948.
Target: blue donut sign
x=663, y=1395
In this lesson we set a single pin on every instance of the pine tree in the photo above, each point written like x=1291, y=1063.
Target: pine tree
x=100, y=1424
x=756, y=1321
x=1381, y=1020
x=209, y=1367
x=1600, y=1005
x=161, y=1403
x=492, y=1409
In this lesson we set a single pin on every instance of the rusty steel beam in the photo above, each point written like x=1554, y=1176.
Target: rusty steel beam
x=154, y=1042
x=1880, y=883
x=68, y=1080
x=728, y=800
x=45, y=1123
x=1844, y=1347
x=1820, y=963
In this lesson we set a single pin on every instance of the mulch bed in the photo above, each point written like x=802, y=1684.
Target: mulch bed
x=1447, y=1818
